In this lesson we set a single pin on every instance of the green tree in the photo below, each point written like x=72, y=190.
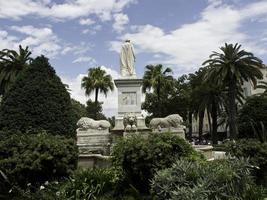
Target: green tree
x=209, y=98
x=263, y=85
x=38, y=100
x=231, y=68
x=94, y=110
x=158, y=79
x=11, y=65
x=97, y=81
x=252, y=118
x=79, y=110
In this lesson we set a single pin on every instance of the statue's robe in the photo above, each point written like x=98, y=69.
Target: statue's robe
x=127, y=58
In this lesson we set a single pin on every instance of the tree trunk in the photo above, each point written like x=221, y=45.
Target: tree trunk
x=209, y=120
x=96, y=100
x=214, y=122
x=159, y=102
x=200, y=124
x=190, y=124
x=232, y=109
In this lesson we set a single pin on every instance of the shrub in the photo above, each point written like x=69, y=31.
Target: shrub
x=36, y=158
x=88, y=184
x=221, y=179
x=38, y=100
x=140, y=157
x=255, y=151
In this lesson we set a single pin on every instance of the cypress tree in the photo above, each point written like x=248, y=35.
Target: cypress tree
x=38, y=100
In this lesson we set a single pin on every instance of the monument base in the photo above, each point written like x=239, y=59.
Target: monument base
x=93, y=141
x=129, y=103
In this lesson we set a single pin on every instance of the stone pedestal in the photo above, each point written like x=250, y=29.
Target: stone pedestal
x=177, y=131
x=129, y=102
x=93, y=141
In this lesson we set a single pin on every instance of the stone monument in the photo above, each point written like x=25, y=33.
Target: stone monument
x=93, y=136
x=172, y=123
x=129, y=117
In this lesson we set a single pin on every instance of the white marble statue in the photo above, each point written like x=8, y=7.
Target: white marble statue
x=171, y=121
x=87, y=123
x=127, y=59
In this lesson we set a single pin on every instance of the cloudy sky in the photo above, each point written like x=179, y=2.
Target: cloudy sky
x=78, y=34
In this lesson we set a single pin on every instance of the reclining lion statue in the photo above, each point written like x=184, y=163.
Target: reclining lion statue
x=87, y=123
x=171, y=121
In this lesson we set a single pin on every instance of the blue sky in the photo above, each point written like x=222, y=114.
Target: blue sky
x=180, y=34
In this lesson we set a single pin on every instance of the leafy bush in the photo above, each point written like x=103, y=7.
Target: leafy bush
x=88, y=184
x=140, y=157
x=36, y=158
x=38, y=100
x=256, y=151
x=221, y=179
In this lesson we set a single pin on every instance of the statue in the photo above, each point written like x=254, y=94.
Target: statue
x=130, y=122
x=127, y=59
x=86, y=123
x=171, y=121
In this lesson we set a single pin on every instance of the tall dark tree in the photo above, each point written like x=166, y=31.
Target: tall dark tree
x=94, y=110
x=11, y=65
x=79, y=110
x=158, y=79
x=263, y=85
x=38, y=100
x=230, y=68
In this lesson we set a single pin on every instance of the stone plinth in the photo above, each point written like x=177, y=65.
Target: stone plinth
x=206, y=150
x=93, y=141
x=129, y=102
x=177, y=131
x=94, y=161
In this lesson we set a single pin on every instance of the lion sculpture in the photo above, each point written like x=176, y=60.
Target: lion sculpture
x=87, y=123
x=130, y=121
x=171, y=121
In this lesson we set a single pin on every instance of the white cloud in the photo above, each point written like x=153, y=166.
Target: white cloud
x=189, y=45
x=92, y=30
x=110, y=104
x=120, y=20
x=69, y=9
x=7, y=41
x=87, y=21
x=85, y=59
x=40, y=40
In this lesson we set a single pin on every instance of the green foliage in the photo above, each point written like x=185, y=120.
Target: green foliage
x=36, y=158
x=175, y=99
x=229, y=69
x=97, y=80
x=221, y=179
x=256, y=151
x=11, y=65
x=38, y=100
x=94, y=110
x=78, y=109
x=139, y=157
x=88, y=184
x=251, y=115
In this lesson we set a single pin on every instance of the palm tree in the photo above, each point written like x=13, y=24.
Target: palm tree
x=11, y=64
x=157, y=78
x=97, y=81
x=263, y=85
x=231, y=68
